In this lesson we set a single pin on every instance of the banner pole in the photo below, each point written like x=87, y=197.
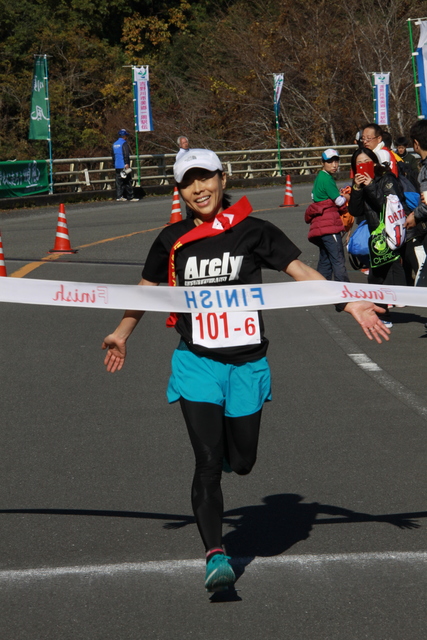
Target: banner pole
x=135, y=119
x=374, y=98
x=278, y=141
x=49, y=140
x=414, y=67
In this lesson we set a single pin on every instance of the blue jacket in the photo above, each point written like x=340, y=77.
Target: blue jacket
x=120, y=153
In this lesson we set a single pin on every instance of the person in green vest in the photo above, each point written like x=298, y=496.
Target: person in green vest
x=325, y=222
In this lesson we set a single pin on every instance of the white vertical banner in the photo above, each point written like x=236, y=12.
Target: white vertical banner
x=278, y=86
x=422, y=66
x=381, y=83
x=141, y=96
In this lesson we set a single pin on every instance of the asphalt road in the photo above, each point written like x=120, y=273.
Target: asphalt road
x=98, y=539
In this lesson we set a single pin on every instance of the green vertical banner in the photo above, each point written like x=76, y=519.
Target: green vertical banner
x=39, y=113
x=40, y=109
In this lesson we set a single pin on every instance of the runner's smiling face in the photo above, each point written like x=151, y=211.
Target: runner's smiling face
x=202, y=191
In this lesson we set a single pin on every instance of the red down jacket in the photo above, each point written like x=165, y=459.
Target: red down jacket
x=324, y=218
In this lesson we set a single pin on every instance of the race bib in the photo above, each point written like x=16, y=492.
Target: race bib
x=394, y=220
x=227, y=329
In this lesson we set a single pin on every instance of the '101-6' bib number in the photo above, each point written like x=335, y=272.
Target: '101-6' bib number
x=227, y=329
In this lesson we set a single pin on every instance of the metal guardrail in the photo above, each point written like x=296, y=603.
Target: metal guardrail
x=85, y=174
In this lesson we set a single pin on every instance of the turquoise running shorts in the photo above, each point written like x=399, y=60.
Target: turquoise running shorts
x=241, y=389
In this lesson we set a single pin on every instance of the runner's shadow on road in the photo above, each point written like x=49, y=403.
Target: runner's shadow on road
x=264, y=530
x=279, y=523
x=400, y=317
x=283, y=520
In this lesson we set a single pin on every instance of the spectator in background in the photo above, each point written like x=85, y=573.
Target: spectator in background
x=418, y=135
x=184, y=146
x=121, y=160
x=367, y=201
x=388, y=143
x=401, y=145
x=372, y=138
x=408, y=179
x=325, y=222
x=387, y=140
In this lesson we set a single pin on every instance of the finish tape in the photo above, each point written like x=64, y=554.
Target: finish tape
x=284, y=295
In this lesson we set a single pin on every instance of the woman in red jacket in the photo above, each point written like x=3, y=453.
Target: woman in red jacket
x=325, y=222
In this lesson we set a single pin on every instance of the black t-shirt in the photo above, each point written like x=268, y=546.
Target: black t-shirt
x=235, y=256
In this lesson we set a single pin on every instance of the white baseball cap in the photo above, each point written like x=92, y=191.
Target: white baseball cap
x=329, y=154
x=200, y=158
x=383, y=156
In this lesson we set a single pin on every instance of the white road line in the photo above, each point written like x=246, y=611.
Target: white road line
x=306, y=562
x=383, y=378
x=362, y=360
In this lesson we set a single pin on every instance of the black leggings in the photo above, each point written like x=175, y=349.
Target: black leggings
x=214, y=437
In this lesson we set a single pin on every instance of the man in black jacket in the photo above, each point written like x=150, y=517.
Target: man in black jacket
x=418, y=135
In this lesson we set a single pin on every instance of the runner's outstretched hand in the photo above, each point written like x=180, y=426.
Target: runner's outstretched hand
x=116, y=354
x=116, y=341
x=365, y=313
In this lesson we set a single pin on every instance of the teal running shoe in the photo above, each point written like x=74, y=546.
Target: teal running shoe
x=219, y=573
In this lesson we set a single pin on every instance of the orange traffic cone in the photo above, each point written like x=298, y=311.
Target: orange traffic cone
x=62, y=239
x=3, y=271
x=176, y=208
x=289, y=198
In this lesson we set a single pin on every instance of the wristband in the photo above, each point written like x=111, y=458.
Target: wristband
x=340, y=306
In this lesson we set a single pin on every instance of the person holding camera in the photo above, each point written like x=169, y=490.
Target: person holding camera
x=373, y=182
x=121, y=160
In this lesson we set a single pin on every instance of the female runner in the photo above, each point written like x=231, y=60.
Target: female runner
x=221, y=382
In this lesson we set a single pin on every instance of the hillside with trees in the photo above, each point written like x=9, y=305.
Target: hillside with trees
x=211, y=65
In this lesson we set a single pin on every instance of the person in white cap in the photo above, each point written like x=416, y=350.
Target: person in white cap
x=220, y=374
x=325, y=186
x=325, y=222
